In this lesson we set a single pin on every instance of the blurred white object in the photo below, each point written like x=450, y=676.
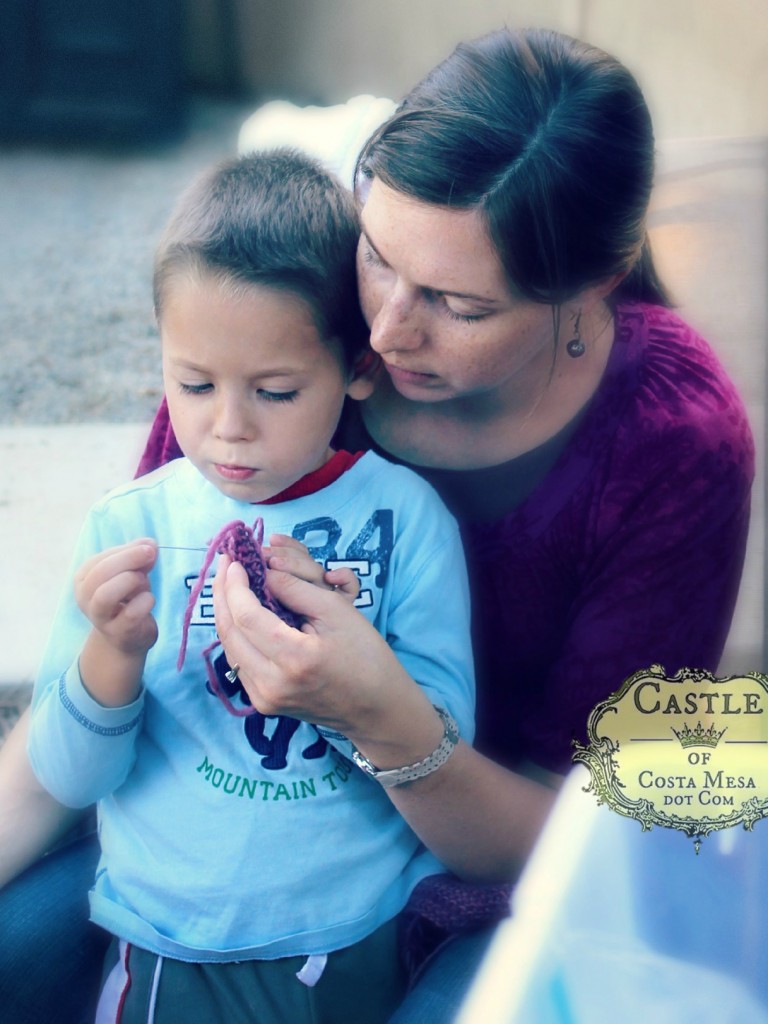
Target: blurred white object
x=334, y=135
x=611, y=923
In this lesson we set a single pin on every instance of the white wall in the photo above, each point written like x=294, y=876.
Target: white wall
x=702, y=63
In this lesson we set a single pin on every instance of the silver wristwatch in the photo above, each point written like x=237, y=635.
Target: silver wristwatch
x=389, y=777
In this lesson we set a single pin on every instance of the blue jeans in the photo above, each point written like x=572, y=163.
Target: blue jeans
x=50, y=954
x=438, y=994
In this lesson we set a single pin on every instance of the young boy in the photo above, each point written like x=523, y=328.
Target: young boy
x=240, y=852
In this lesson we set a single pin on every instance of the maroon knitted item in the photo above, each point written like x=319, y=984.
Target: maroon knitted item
x=243, y=544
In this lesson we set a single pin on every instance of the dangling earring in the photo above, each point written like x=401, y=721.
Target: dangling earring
x=576, y=346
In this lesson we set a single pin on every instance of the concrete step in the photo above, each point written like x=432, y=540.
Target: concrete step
x=49, y=478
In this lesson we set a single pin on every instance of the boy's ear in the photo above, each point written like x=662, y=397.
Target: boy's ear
x=360, y=388
x=364, y=372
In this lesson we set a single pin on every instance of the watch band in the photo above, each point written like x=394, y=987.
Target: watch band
x=389, y=777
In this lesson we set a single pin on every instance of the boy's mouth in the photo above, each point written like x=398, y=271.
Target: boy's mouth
x=234, y=472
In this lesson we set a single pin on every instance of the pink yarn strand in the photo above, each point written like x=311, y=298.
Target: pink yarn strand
x=213, y=550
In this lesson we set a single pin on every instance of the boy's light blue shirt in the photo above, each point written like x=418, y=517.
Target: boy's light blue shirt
x=229, y=838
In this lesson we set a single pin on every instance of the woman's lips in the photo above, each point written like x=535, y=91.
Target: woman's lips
x=235, y=472
x=402, y=376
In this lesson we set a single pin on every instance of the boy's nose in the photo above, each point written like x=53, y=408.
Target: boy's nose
x=233, y=421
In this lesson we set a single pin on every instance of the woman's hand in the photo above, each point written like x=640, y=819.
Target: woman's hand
x=289, y=555
x=30, y=819
x=112, y=590
x=479, y=819
x=336, y=671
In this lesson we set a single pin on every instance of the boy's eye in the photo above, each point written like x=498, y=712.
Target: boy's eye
x=278, y=396
x=194, y=389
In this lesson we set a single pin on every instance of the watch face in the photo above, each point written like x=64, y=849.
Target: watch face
x=363, y=763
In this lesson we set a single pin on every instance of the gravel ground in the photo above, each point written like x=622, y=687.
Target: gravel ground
x=77, y=334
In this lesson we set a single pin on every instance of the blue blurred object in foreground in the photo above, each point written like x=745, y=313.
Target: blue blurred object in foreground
x=611, y=923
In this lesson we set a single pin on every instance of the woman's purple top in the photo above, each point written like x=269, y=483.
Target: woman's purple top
x=626, y=553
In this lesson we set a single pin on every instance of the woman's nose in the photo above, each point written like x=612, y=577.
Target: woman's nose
x=397, y=324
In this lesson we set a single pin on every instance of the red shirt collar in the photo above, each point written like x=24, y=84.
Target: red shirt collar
x=319, y=478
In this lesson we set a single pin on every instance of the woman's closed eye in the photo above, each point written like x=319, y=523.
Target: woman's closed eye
x=464, y=318
x=443, y=304
x=371, y=257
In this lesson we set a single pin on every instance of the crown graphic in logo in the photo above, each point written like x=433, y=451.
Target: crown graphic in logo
x=698, y=737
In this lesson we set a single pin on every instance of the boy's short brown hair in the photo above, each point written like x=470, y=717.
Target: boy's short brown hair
x=275, y=218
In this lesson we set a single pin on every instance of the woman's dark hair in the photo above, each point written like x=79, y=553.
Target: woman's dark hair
x=551, y=140
x=277, y=219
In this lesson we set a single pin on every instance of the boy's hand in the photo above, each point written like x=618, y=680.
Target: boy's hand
x=112, y=589
x=289, y=555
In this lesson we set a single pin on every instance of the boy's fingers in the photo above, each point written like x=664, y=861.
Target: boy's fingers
x=137, y=556
x=304, y=567
x=283, y=540
x=316, y=604
x=345, y=580
x=125, y=598
x=140, y=605
x=294, y=558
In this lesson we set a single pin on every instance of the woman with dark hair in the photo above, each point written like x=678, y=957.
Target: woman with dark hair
x=594, y=451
